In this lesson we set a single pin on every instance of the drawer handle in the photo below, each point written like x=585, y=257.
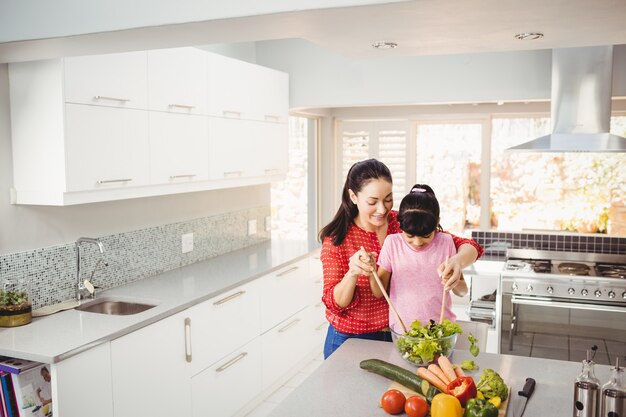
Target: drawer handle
x=288, y=271
x=288, y=325
x=228, y=174
x=230, y=297
x=123, y=100
x=271, y=118
x=231, y=113
x=182, y=106
x=111, y=181
x=321, y=326
x=232, y=362
x=188, y=339
x=173, y=177
x=317, y=281
x=272, y=171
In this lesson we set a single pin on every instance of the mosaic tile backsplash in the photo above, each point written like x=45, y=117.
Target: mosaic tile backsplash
x=130, y=256
x=496, y=243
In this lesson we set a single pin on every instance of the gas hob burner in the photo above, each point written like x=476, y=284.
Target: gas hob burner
x=512, y=265
x=541, y=266
x=612, y=270
x=573, y=268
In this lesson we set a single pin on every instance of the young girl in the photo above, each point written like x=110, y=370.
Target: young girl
x=414, y=258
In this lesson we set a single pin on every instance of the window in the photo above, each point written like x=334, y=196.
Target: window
x=551, y=191
x=292, y=215
x=384, y=140
x=448, y=159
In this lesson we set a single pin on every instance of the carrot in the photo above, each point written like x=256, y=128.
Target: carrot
x=446, y=367
x=432, y=378
x=458, y=371
x=439, y=373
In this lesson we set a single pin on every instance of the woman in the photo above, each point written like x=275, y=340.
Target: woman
x=349, y=244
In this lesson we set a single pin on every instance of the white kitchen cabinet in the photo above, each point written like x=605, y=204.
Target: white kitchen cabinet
x=105, y=147
x=242, y=90
x=179, y=148
x=177, y=80
x=228, y=385
x=81, y=384
x=283, y=293
x=222, y=324
x=271, y=141
x=150, y=371
x=118, y=80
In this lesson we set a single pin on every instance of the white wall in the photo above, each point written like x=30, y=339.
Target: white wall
x=30, y=227
x=321, y=78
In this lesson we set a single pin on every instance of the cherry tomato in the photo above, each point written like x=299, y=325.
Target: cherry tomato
x=393, y=401
x=416, y=406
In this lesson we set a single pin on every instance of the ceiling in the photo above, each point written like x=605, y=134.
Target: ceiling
x=422, y=27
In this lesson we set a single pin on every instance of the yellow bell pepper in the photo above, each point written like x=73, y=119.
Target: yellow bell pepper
x=480, y=395
x=496, y=401
x=444, y=405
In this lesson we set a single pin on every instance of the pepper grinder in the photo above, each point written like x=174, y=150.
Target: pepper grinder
x=614, y=394
x=587, y=388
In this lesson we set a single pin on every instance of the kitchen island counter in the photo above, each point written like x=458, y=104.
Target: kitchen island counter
x=339, y=387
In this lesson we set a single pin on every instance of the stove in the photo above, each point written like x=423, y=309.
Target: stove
x=591, y=278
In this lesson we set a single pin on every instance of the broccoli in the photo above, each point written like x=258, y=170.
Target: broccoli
x=492, y=385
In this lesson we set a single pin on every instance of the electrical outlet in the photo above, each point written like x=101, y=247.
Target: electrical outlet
x=187, y=242
x=251, y=227
x=268, y=223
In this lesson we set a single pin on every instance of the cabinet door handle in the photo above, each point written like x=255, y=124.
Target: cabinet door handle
x=182, y=106
x=288, y=271
x=123, y=100
x=232, y=174
x=230, y=297
x=232, y=362
x=321, y=326
x=271, y=118
x=188, y=339
x=288, y=325
x=272, y=171
x=115, y=180
x=231, y=113
x=172, y=177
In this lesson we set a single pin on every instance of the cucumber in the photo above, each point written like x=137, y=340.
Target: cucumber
x=400, y=375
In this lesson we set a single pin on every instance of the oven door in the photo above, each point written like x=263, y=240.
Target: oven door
x=523, y=316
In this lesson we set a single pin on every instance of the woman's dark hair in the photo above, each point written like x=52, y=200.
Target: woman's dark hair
x=358, y=176
x=419, y=211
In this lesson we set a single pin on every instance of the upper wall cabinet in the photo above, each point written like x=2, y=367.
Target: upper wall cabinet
x=245, y=91
x=116, y=80
x=138, y=124
x=177, y=80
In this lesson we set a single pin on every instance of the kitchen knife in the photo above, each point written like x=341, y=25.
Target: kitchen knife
x=524, y=394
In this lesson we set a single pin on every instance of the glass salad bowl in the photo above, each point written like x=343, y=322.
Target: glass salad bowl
x=422, y=349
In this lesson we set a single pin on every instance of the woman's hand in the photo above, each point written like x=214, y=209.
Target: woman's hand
x=361, y=263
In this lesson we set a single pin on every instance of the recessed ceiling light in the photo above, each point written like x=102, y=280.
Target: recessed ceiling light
x=528, y=36
x=385, y=45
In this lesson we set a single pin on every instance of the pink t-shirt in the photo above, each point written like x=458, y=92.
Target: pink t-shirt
x=415, y=287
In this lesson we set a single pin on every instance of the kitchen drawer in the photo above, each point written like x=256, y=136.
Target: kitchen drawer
x=283, y=347
x=230, y=384
x=283, y=293
x=222, y=324
x=316, y=278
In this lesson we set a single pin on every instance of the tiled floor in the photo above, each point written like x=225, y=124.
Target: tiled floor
x=277, y=396
x=568, y=348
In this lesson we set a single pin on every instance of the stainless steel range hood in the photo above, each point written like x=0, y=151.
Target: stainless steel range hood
x=580, y=103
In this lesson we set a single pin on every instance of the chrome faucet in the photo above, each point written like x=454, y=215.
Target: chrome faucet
x=81, y=291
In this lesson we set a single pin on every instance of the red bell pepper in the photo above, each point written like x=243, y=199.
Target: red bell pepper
x=463, y=388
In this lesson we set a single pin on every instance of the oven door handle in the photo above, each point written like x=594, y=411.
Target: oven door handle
x=547, y=302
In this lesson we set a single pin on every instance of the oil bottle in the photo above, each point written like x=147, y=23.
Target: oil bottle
x=587, y=388
x=614, y=394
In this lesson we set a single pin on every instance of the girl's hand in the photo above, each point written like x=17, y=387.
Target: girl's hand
x=361, y=263
x=450, y=272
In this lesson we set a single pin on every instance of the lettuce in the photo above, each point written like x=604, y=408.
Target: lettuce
x=429, y=344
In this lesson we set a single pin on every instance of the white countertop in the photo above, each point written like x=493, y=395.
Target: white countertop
x=56, y=337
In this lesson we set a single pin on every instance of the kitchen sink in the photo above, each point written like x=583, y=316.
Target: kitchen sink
x=115, y=306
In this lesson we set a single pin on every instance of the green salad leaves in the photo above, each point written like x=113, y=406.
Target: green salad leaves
x=430, y=341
